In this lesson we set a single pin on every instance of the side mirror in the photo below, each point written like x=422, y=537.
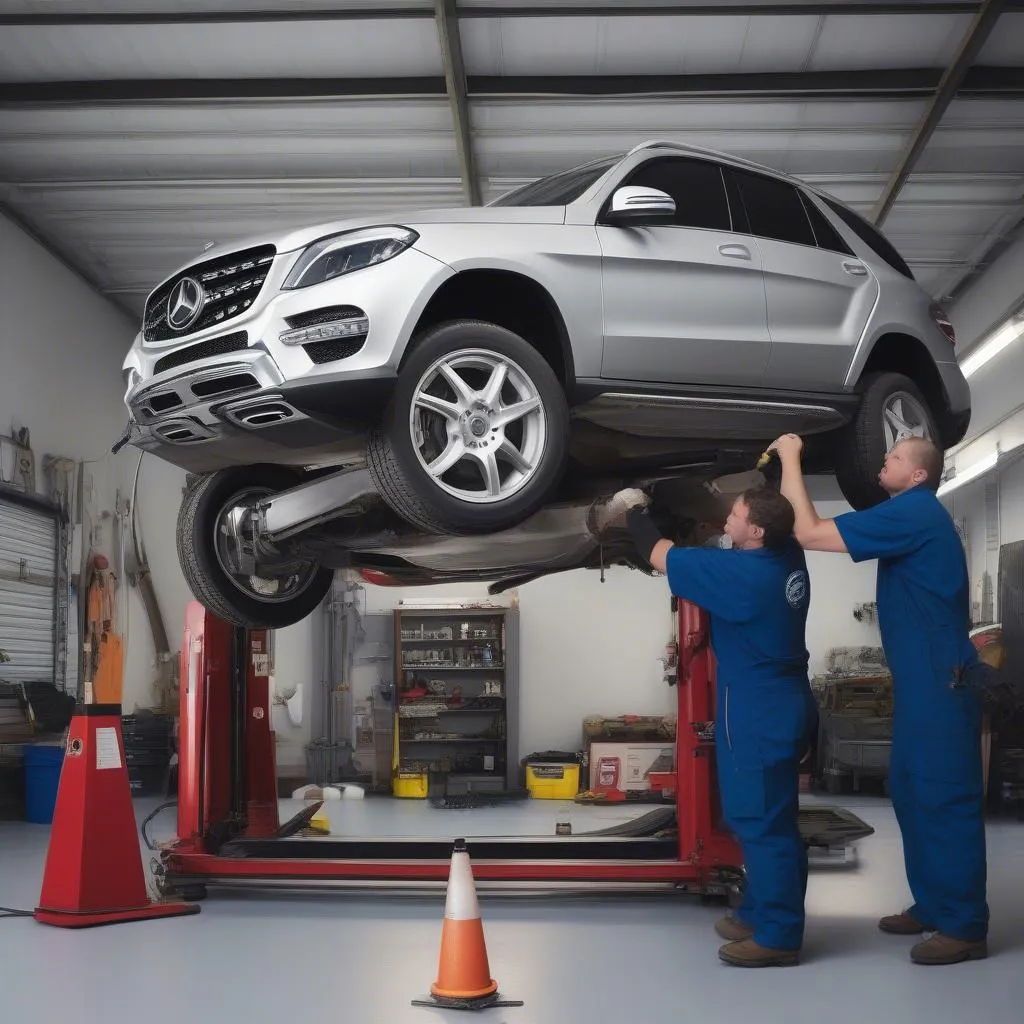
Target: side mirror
x=636, y=206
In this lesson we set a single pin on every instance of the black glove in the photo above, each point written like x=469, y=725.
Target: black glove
x=643, y=530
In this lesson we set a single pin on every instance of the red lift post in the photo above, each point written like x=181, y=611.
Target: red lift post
x=228, y=826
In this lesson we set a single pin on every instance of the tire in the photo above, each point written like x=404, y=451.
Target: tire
x=526, y=455
x=225, y=595
x=864, y=442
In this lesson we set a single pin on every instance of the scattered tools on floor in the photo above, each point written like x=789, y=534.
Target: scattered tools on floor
x=464, y=979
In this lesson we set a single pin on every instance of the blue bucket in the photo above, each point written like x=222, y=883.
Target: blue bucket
x=42, y=776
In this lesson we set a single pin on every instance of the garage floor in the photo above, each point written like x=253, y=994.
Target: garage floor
x=362, y=959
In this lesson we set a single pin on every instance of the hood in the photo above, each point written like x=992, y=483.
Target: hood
x=299, y=238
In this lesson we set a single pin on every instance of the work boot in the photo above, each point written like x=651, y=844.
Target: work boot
x=748, y=953
x=903, y=924
x=732, y=929
x=942, y=949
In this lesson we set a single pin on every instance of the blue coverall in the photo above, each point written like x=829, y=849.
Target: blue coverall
x=765, y=718
x=935, y=775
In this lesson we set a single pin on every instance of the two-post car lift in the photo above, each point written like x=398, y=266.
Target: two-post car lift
x=230, y=835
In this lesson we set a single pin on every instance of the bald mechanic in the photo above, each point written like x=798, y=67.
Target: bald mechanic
x=757, y=595
x=935, y=775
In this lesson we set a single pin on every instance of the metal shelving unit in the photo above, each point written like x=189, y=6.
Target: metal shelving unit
x=456, y=693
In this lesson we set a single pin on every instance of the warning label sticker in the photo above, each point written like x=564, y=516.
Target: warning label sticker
x=108, y=752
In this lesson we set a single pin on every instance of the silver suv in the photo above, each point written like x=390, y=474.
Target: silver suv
x=654, y=315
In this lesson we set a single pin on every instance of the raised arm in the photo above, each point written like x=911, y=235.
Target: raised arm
x=811, y=531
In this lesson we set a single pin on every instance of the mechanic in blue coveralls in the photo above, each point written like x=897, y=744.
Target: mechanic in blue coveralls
x=757, y=595
x=935, y=775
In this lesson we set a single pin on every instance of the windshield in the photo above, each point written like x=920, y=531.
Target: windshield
x=557, y=189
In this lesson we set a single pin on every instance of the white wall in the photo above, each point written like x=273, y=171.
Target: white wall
x=837, y=585
x=995, y=388
x=62, y=347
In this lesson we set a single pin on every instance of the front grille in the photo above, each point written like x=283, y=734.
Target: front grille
x=230, y=286
x=162, y=403
x=213, y=347
x=225, y=385
x=333, y=348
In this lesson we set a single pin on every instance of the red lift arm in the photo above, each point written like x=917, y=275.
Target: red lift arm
x=227, y=801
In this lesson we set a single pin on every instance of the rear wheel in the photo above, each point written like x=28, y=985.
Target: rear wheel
x=220, y=565
x=892, y=409
x=476, y=435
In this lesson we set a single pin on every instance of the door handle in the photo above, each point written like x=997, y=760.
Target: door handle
x=856, y=269
x=736, y=252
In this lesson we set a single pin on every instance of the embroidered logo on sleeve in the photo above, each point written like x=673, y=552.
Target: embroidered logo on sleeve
x=796, y=588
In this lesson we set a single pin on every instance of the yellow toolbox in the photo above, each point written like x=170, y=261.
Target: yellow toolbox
x=551, y=781
x=410, y=785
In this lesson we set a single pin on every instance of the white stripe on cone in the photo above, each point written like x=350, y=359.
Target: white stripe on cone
x=461, y=903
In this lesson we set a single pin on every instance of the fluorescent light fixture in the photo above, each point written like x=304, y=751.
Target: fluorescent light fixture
x=970, y=473
x=989, y=349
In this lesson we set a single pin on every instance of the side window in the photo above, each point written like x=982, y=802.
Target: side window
x=774, y=208
x=826, y=235
x=697, y=186
x=870, y=236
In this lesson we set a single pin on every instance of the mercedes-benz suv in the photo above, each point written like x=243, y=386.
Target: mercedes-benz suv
x=649, y=316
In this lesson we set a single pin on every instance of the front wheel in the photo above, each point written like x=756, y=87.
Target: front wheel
x=222, y=573
x=476, y=435
x=892, y=409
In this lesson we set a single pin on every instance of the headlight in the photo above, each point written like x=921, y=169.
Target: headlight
x=352, y=250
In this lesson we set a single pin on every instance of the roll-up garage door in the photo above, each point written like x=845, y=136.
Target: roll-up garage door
x=28, y=561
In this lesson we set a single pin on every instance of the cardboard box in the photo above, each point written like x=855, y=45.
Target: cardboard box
x=635, y=762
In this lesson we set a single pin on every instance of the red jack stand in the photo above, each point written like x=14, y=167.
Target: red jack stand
x=94, y=872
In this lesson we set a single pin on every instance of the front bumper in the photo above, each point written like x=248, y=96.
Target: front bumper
x=256, y=399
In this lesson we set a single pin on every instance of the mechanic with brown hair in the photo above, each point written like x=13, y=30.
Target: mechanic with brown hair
x=935, y=774
x=757, y=595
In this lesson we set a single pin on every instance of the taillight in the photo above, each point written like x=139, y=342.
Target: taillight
x=942, y=321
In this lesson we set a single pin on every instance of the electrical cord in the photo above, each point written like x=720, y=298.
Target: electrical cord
x=142, y=827
x=11, y=912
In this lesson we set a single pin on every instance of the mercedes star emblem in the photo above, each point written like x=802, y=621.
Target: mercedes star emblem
x=185, y=303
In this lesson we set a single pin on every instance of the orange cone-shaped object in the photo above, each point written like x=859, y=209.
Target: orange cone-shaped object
x=464, y=979
x=463, y=972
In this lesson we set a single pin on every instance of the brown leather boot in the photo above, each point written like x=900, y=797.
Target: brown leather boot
x=903, y=924
x=732, y=929
x=748, y=953
x=942, y=949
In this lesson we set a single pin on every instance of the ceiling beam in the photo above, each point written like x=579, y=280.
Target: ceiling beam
x=906, y=83
x=954, y=76
x=894, y=83
x=55, y=250
x=548, y=10
x=447, y=18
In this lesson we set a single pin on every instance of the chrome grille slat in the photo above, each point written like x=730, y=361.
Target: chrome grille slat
x=231, y=284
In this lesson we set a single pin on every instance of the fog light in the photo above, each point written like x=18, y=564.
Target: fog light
x=326, y=332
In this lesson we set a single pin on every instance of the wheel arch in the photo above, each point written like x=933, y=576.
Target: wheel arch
x=505, y=298
x=903, y=353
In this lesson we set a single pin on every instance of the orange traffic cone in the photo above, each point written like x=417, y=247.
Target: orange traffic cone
x=464, y=979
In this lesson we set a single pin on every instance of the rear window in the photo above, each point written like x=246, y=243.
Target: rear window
x=557, y=189
x=774, y=208
x=826, y=235
x=870, y=236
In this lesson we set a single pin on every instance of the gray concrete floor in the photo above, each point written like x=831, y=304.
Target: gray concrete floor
x=361, y=959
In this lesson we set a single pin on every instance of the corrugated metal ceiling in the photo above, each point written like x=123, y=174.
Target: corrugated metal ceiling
x=131, y=133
